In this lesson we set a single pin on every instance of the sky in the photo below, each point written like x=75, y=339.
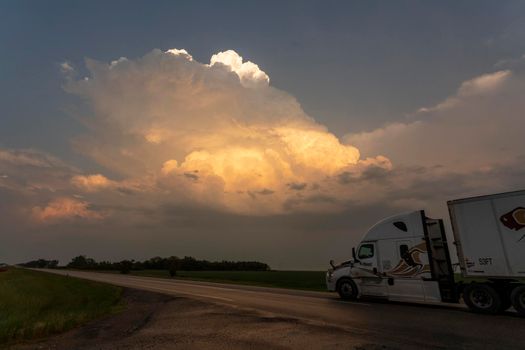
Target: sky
x=276, y=131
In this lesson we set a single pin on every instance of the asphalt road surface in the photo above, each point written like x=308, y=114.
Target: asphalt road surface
x=394, y=325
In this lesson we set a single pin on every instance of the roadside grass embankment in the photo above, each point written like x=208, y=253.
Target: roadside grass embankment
x=304, y=280
x=35, y=304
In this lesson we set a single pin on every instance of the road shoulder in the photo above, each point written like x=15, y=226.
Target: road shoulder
x=158, y=321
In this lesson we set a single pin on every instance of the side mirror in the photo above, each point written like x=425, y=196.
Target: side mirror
x=332, y=264
x=354, y=255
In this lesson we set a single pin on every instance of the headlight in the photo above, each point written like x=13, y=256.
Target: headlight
x=329, y=276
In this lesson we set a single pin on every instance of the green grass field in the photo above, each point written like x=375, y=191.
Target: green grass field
x=306, y=280
x=34, y=304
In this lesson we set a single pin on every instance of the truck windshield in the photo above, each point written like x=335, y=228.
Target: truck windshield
x=366, y=251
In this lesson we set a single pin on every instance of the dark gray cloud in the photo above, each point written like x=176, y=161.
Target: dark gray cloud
x=192, y=176
x=372, y=173
x=297, y=186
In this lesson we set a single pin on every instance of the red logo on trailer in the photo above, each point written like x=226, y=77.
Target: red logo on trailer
x=514, y=219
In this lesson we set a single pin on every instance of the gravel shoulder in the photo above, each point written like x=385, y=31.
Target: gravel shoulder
x=157, y=321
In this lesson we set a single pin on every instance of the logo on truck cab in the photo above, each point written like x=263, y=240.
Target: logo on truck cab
x=411, y=263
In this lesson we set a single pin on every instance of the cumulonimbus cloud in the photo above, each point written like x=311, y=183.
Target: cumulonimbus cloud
x=217, y=134
x=172, y=131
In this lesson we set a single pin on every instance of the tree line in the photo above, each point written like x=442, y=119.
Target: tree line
x=41, y=264
x=172, y=264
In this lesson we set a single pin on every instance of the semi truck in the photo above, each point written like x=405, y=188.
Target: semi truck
x=407, y=258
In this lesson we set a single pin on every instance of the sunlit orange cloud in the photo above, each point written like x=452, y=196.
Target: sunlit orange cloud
x=91, y=183
x=65, y=208
x=217, y=134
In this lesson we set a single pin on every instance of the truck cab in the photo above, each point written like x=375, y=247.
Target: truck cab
x=402, y=258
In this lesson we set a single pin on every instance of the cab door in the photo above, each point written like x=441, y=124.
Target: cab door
x=367, y=255
x=366, y=270
x=405, y=283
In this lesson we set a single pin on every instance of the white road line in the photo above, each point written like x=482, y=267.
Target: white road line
x=146, y=286
x=187, y=293
x=108, y=278
x=177, y=283
x=198, y=285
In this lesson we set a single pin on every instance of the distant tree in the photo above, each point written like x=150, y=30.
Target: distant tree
x=105, y=266
x=138, y=265
x=173, y=265
x=81, y=262
x=78, y=262
x=125, y=266
x=41, y=264
x=155, y=263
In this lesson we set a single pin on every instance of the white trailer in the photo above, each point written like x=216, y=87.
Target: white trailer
x=406, y=257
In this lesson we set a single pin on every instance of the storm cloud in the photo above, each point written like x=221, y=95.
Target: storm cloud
x=216, y=134
x=209, y=159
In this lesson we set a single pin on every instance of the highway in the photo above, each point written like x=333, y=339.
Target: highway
x=407, y=325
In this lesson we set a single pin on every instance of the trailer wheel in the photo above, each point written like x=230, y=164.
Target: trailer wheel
x=347, y=289
x=482, y=298
x=518, y=299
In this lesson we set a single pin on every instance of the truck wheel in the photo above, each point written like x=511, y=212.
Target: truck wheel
x=347, y=289
x=518, y=299
x=482, y=298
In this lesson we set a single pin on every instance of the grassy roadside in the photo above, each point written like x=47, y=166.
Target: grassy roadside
x=35, y=304
x=305, y=280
